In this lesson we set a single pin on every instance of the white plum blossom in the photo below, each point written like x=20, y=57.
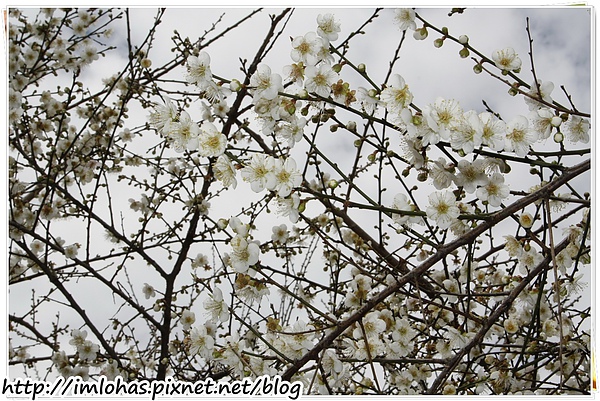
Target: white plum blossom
x=305, y=48
x=396, y=96
x=467, y=132
x=225, y=171
x=402, y=203
x=211, y=142
x=88, y=350
x=328, y=27
x=245, y=254
x=577, y=129
x=216, y=306
x=405, y=18
x=148, y=291
x=440, y=173
x=184, y=133
x=289, y=207
x=201, y=343
x=163, y=115
x=280, y=234
x=285, y=176
x=198, y=69
x=541, y=122
x=540, y=91
x=265, y=84
x=258, y=172
x=519, y=137
x=471, y=175
x=442, y=115
x=442, y=208
x=494, y=190
x=507, y=59
x=188, y=318
x=292, y=131
x=319, y=79
x=493, y=131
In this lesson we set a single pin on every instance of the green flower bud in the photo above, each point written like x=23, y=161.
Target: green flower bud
x=464, y=52
x=477, y=68
x=438, y=43
x=463, y=39
x=422, y=176
x=333, y=184
x=362, y=68
x=513, y=92
x=235, y=85
x=351, y=126
x=337, y=68
x=333, y=128
x=445, y=30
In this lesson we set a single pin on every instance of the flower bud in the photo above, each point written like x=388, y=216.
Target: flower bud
x=556, y=121
x=303, y=94
x=422, y=176
x=558, y=137
x=337, y=68
x=445, y=30
x=420, y=34
x=372, y=93
x=146, y=63
x=438, y=42
x=222, y=223
x=526, y=220
x=235, y=85
x=463, y=39
x=302, y=206
x=372, y=157
x=333, y=127
x=362, y=68
x=477, y=68
x=513, y=92
x=351, y=126
x=464, y=52
x=332, y=184
x=357, y=143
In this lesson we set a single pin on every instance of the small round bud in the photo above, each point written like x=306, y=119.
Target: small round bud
x=477, y=68
x=372, y=93
x=406, y=172
x=302, y=206
x=235, y=85
x=438, y=42
x=372, y=157
x=351, y=126
x=513, y=92
x=222, y=223
x=445, y=30
x=464, y=52
x=337, y=68
x=304, y=111
x=463, y=39
x=417, y=119
x=527, y=247
x=361, y=68
x=534, y=171
x=333, y=184
x=556, y=121
x=146, y=63
x=564, y=116
x=303, y=94
x=526, y=220
x=420, y=34
x=558, y=137
x=357, y=143
x=333, y=127
x=422, y=176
